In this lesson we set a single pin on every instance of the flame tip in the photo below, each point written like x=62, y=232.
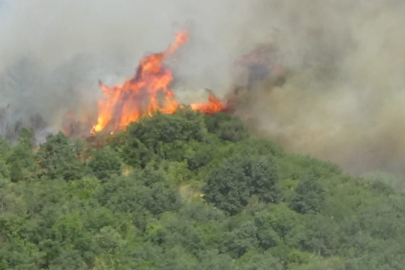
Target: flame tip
x=146, y=93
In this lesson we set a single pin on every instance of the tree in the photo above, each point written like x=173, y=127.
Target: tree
x=321, y=235
x=105, y=163
x=5, y=148
x=227, y=187
x=230, y=186
x=308, y=196
x=184, y=125
x=258, y=261
x=211, y=260
x=162, y=135
x=139, y=221
x=279, y=224
x=21, y=160
x=57, y=157
x=226, y=127
x=263, y=174
x=241, y=240
x=142, y=193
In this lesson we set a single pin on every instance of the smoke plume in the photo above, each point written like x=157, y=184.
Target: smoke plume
x=344, y=61
x=343, y=99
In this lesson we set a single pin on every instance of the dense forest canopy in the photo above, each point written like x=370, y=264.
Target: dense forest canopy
x=190, y=191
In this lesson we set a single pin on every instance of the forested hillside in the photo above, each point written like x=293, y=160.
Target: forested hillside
x=190, y=192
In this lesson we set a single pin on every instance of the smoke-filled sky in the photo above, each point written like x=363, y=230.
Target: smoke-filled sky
x=342, y=101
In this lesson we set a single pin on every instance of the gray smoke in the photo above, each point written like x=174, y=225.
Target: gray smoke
x=343, y=96
x=343, y=99
x=53, y=53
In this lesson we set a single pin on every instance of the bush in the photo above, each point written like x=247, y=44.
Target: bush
x=58, y=157
x=226, y=127
x=105, y=163
x=308, y=196
x=230, y=186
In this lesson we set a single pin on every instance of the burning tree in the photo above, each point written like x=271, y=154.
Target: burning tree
x=147, y=92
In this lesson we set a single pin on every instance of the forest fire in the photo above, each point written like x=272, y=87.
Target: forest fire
x=149, y=92
x=146, y=93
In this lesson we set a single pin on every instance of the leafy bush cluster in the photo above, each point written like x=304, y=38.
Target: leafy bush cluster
x=190, y=191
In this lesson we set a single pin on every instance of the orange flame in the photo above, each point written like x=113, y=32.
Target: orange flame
x=213, y=106
x=147, y=92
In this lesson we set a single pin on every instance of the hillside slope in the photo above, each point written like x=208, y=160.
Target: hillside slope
x=189, y=191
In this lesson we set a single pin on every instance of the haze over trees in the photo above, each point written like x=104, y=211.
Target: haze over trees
x=190, y=191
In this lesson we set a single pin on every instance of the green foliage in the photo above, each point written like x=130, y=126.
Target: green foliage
x=241, y=240
x=21, y=160
x=384, y=182
x=278, y=224
x=308, y=196
x=231, y=185
x=105, y=163
x=201, y=156
x=255, y=146
x=257, y=261
x=4, y=170
x=162, y=135
x=26, y=137
x=141, y=193
x=211, y=260
x=188, y=191
x=321, y=235
x=5, y=147
x=178, y=172
x=226, y=127
x=58, y=157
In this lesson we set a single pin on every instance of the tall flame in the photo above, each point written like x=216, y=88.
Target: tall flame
x=147, y=92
